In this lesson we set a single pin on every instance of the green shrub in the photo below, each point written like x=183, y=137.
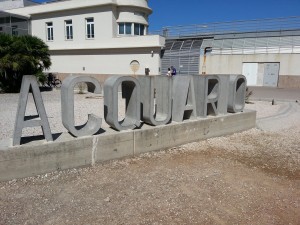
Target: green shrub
x=21, y=55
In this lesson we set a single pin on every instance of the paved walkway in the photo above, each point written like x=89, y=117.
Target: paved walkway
x=287, y=117
x=289, y=113
x=278, y=94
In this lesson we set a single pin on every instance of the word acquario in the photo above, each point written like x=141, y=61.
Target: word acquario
x=155, y=100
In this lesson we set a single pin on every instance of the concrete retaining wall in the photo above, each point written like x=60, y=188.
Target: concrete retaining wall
x=66, y=152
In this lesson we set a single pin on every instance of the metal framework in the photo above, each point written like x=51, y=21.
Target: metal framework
x=14, y=24
x=253, y=45
x=183, y=55
x=207, y=29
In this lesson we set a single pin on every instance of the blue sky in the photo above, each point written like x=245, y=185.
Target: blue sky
x=186, y=12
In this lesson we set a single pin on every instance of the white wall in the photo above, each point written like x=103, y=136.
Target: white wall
x=106, y=62
x=61, y=6
x=103, y=18
x=128, y=14
x=233, y=64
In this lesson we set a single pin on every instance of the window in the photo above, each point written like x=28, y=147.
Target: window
x=69, y=29
x=139, y=29
x=121, y=28
x=127, y=28
x=49, y=26
x=1, y=29
x=124, y=28
x=90, y=32
x=14, y=30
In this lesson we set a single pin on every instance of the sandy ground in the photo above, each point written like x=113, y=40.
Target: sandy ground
x=251, y=177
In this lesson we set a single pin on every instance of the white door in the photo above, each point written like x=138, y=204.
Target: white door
x=250, y=71
x=271, y=74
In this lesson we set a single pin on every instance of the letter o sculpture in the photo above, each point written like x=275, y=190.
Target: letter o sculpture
x=236, y=93
x=131, y=91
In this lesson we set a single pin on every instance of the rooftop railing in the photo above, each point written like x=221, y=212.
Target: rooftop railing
x=242, y=26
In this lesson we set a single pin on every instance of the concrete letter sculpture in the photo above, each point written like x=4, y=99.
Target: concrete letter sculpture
x=223, y=93
x=163, y=99
x=184, y=103
x=156, y=99
x=131, y=91
x=207, y=95
x=236, y=93
x=21, y=120
x=67, y=106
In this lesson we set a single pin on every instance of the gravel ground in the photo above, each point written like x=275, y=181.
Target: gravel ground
x=251, y=177
x=84, y=104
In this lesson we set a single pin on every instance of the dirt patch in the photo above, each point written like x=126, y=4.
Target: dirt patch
x=246, y=178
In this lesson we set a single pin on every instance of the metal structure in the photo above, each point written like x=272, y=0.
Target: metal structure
x=253, y=45
x=242, y=26
x=185, y=44
x=183, y=55
x=14, y=24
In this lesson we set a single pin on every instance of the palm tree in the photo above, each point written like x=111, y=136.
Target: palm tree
x=21, y=55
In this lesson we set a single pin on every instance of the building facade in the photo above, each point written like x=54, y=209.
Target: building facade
x=266, y=51
x=270, y=60
x=98, y=37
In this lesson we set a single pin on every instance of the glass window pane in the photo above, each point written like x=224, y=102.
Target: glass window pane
x=71, y=32
x=121, y=28
x=48, y=34
x=88, y=31
x=92, y=31
x=142, y=28
x=128, y=28
x=136, y=29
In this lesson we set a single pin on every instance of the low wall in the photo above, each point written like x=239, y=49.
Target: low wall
x=39, y=157
x=289, y=81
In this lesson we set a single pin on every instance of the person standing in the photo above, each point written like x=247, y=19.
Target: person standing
x=173, y=71
x=169, y=73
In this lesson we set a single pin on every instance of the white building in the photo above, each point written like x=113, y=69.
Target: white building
x=100, y=37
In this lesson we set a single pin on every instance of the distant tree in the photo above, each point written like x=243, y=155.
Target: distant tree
x=21, y=55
